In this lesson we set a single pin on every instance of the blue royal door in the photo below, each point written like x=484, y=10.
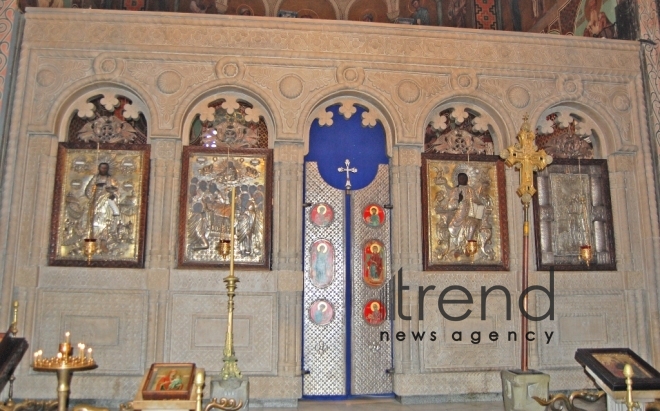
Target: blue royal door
x=347, y=292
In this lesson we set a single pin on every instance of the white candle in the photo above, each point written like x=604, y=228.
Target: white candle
x=59, y=355
x=67, y=337
x=89, y=351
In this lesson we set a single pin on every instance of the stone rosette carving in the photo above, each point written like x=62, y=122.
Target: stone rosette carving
x=464, y=80
x=229, y=68
x=349, y=74
x=570, y=86
x=291, y=86
x=518, y=96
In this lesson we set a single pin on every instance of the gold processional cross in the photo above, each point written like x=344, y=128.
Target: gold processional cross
x=527, y=158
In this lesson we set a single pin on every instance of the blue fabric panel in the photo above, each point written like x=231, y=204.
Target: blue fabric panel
x=330, y=146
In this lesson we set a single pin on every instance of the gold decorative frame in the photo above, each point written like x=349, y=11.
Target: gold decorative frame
x=161, y=385
x=442, y=251
x=115, y=215
x=204, y=207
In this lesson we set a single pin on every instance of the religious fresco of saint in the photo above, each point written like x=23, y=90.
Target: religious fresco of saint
x=321, y=312
x=100, y=193
x=374, y=312
x=373, y=215
x=373, y=258
x=596, y=18
x=321, y=215
x=208, y=176
x=322, y=263
x=464, y=200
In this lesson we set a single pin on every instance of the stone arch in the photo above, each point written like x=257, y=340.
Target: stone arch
x=592, y=125
x=76, y=98
x=200, y=105
x=486, y=118
x=347, y=99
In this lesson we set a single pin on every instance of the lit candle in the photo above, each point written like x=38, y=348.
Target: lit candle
x=89, y=351
x=59, y=355
x=81, y=351
x=36, y=357
x=67, y=337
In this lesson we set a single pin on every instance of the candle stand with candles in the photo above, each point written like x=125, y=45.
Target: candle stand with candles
x=64, y=364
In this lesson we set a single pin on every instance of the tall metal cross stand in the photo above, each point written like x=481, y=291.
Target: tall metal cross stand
x=527, y=158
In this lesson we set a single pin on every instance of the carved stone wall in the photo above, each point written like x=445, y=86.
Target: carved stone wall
x=291, y=68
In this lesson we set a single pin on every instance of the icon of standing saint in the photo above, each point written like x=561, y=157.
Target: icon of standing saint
x=322, y=255
x=373, y=263
x=373, y=215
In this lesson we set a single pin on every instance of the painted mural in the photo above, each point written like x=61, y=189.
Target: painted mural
x=589, y=18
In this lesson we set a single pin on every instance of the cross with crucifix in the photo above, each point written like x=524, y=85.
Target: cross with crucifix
x=348, y=169
x=527, y=158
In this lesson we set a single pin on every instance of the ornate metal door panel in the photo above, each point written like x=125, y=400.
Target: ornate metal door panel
x=370, y=228
x=324, y=326
x=329, y=306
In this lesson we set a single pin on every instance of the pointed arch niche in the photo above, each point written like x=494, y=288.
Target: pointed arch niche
x=106, y=115
x=461, y=128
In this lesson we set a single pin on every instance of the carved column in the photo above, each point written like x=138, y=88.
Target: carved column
x=35, y=214
x=407, y=212
x=162, y=209
x=287, y=224
x=289, y=286
x=622, y=203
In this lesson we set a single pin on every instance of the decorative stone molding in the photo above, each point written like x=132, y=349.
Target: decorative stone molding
x=290, y=91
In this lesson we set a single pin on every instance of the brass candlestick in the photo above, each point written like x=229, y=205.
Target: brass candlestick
x=527, y=158
x=628, y=373
x=199, y=389
x=230, y=367
x=64, y=364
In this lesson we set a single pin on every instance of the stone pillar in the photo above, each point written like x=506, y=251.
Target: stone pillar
x=407, y=212
x=289, y=289
x=36, y=205
x=163, y=197
x=287, y=216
